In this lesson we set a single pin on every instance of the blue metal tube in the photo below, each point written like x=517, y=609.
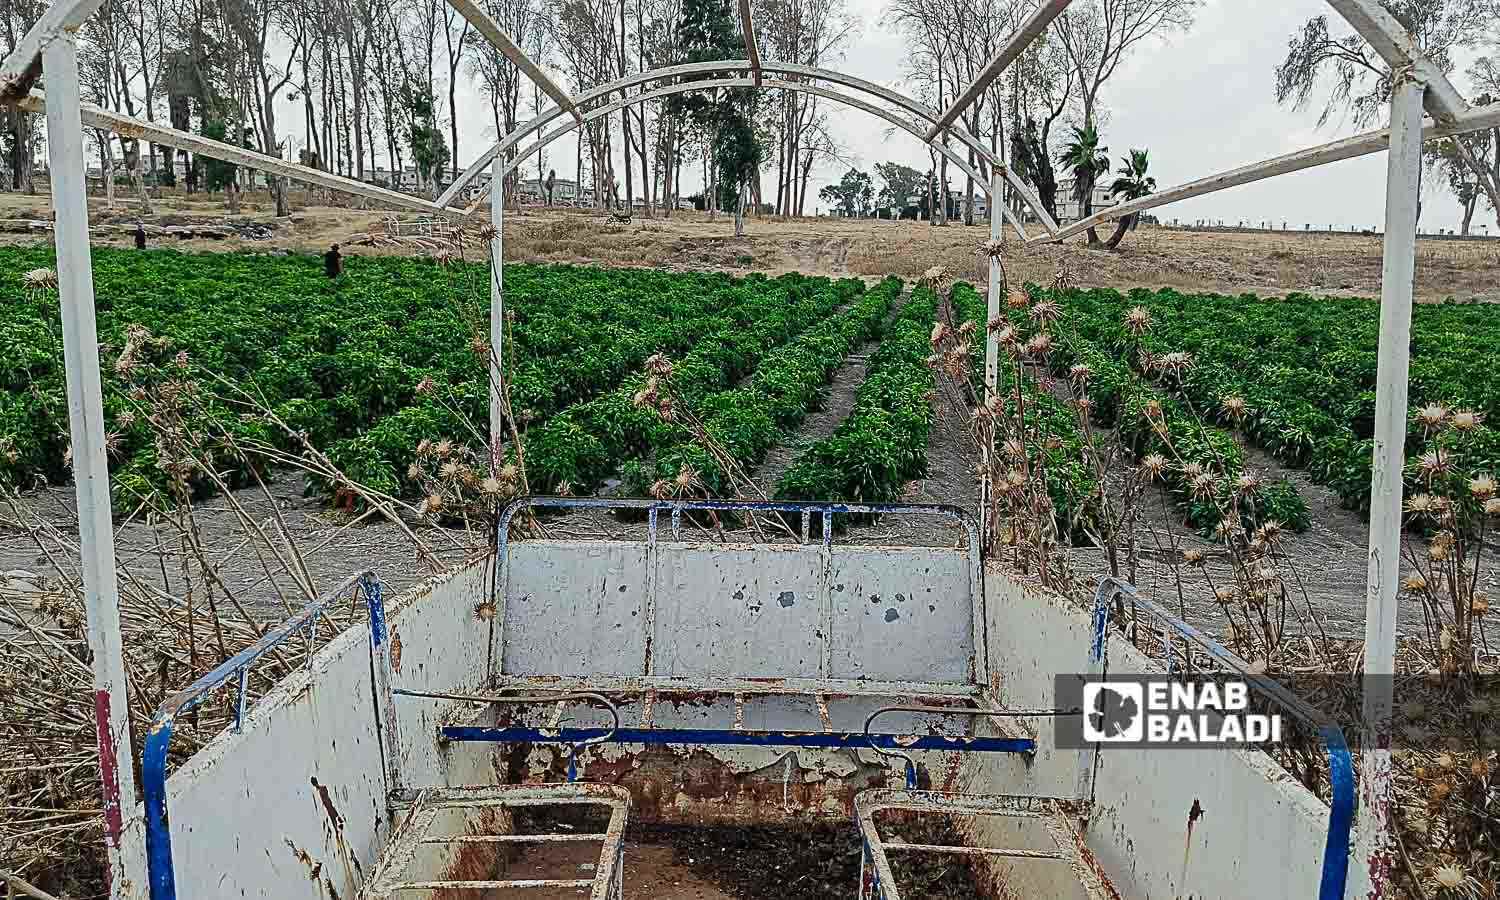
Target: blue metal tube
x=1340, y=763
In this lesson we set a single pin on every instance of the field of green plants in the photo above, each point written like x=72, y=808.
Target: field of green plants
x=640, y=376
x=1294, y=376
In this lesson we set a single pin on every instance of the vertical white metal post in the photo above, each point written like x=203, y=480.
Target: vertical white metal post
x=497, y=307
x=96, y=537
x=991, y=341
x=1375, y=853
x=991, y=350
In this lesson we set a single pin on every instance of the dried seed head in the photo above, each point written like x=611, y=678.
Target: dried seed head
x=443, y=448
x=1175, y=363
x=1466, y=420
x=1480, y=767
x=1046, y=312
x=509, y=472
x=490, y=485
x=1039, y=345
x=1194, y=557
x=488, y=232
x=413, y=472
x=1155, y=464
x=1424, y=505
x=1018, y=299
x=1435, y=462
x=479, y=345
x=565, y=488
x=1224, y=594
x=939, y=333
x=1203, y=486
x=432, y=504
x=661, y=489
x=685, y=477
x=40, y=279
x=1448, y=877
x=992, y=248
x=1482, y=486
x=485, y=611
x=1414, y=582
x=658, y=364
x=1247, y=482
x=1008, y=337
x=448, y=469
x=1193, y=469
x=1081, y=374
x=967, y=329
x=1492, y=507
x=1432, y=415
x=1138, y=320
x=1270, y=530
x=1235, y=407
x=1480, y=605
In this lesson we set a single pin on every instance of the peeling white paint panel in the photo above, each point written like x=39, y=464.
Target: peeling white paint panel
x=1260, y=834
x=902, y=615
x=695, y=610
x=294, y=806
x=575, y=608
x=732, y=614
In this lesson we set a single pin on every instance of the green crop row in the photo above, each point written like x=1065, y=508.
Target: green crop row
x=1306, y=368
x=1152, y=421
x=586, y=443
x=882, y=444
x=341, y=358
x=749, y=420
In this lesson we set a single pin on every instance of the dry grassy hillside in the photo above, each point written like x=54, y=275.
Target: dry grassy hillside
x=1343, y=264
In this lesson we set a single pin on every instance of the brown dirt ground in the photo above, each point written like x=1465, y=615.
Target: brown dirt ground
x=1218, y=261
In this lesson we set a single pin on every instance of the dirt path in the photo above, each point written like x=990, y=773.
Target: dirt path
x=331, y=547
x=1327, y=561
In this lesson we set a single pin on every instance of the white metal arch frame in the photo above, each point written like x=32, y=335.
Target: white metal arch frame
x=720, y=67
x=50, y=44
x=509, y=164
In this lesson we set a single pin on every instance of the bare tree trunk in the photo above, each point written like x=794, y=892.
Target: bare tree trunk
x=107, y=168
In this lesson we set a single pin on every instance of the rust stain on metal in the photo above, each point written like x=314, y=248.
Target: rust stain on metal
x=396, y=651
x=1195, y=812
x=314, y=867
x=1091, y=862
x=327, y=800
x=477, y=861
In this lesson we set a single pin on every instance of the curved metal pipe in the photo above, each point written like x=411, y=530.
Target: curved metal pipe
x=743, y=65
x=669, y=90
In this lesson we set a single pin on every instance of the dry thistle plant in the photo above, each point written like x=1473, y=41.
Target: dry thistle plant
x=208, y=559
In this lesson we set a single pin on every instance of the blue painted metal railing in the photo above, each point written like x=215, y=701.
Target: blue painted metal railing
x=1340, y=763
x=163, y=885
x=805, y=510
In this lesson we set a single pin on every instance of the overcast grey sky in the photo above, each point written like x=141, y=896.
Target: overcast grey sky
x=1201, y=102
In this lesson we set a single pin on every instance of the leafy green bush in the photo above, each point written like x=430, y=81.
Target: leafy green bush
x=883, y=442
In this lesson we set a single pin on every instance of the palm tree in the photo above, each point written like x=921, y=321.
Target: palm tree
x=1087, y=161
x=1133, y=184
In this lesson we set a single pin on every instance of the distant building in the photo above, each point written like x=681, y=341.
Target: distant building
x=564, y=191
x=1069, y=210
